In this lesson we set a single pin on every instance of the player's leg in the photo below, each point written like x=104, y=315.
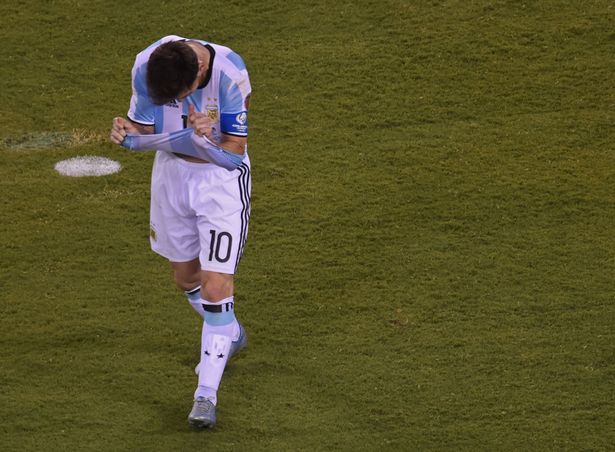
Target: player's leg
x=221, y=337
x=223, y=231
x=219, y=320
x=218, y=304
x=187, y=277
x=173, y=225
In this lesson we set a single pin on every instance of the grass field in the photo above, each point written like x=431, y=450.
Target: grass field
x=431, y=257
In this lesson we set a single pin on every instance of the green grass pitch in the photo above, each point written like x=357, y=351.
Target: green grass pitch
x=431, y=257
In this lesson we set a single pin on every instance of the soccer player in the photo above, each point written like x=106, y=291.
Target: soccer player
x=189, y=102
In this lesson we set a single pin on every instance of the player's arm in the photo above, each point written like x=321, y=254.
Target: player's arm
x=201, y=124
x=143, y=129
x=187, y=142
x=122, y=127
x=141, y=113
x=234, y=105
x=231, y=143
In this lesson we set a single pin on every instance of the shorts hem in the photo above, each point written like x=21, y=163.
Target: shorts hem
x=171, y=258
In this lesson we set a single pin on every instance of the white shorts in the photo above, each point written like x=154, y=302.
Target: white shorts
x=199, y=210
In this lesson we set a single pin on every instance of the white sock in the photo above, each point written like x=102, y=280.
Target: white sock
x=194, y=298
x=216, y=327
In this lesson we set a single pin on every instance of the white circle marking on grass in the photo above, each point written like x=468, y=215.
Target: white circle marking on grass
x=87, y=166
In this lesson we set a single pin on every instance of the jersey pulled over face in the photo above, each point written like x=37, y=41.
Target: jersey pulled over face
x=224, y=96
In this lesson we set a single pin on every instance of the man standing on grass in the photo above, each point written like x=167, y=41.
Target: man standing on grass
x=190, y=101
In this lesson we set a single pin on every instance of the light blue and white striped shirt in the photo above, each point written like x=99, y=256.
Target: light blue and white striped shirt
x=225, y=98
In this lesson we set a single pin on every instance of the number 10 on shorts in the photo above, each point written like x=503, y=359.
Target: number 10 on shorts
x=220, y=246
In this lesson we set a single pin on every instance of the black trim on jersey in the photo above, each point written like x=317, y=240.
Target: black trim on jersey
x=141, y=123
x=244, y=193
x=212, y=55
x=235, y=135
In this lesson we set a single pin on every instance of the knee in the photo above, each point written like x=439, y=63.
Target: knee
x=216, y=286
x=186, y=276
x=185, y=283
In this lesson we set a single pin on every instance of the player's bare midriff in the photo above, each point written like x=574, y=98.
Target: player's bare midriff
x=189, y=158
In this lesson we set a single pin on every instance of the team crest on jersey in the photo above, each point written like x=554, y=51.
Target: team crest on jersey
x=212, y=112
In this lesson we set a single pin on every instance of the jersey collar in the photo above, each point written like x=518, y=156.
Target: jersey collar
x=212, y=55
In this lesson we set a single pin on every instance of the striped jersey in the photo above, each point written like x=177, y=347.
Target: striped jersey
x=225, y=97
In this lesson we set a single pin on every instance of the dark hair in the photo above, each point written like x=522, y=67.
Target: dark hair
x=172, y=69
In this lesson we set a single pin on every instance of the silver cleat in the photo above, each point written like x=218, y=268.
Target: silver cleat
x=203, y=414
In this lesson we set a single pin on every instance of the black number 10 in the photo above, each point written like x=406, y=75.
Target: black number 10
x=216, y=243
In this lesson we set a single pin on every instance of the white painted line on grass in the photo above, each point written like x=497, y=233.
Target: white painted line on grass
x=87, y=166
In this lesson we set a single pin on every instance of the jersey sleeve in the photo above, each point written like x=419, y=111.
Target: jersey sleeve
x=186, y=142
x=142, y=109
x=234, y=101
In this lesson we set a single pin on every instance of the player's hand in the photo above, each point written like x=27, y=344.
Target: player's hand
x=121, y=127
x=200, y=122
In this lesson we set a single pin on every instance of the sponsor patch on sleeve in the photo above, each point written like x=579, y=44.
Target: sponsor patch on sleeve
x=234, y=123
